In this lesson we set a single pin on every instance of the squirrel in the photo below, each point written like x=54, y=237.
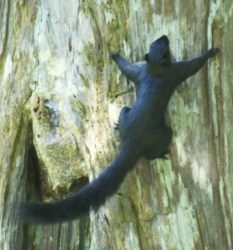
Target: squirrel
x=142, y=130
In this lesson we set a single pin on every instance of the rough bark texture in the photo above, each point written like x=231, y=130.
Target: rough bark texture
x=60, y=96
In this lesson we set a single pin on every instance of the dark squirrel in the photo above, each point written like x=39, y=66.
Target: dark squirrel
x=142, y=129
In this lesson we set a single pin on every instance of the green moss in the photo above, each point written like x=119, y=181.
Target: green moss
x=112, y=92
x=82, y=109
x=85, y=7
x=85, y=81
x=89, y=51
x=6, y=129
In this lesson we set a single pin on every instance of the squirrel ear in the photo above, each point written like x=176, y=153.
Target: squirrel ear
x=146, y=57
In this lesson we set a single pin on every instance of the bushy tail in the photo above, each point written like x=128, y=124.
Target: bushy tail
x=93, y=195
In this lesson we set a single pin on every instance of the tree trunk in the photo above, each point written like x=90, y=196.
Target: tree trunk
x=60, y=97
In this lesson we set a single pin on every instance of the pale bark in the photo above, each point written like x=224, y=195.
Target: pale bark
x=60, y=96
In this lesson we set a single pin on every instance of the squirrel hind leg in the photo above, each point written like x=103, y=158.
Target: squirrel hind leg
x=160, y=146
x=154, y=153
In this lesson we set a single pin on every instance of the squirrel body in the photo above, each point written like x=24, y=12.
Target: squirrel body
x=142, y=129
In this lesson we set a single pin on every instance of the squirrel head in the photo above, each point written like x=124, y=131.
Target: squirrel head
x=159, y=52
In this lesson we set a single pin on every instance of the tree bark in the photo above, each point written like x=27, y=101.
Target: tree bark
x=60, y=97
